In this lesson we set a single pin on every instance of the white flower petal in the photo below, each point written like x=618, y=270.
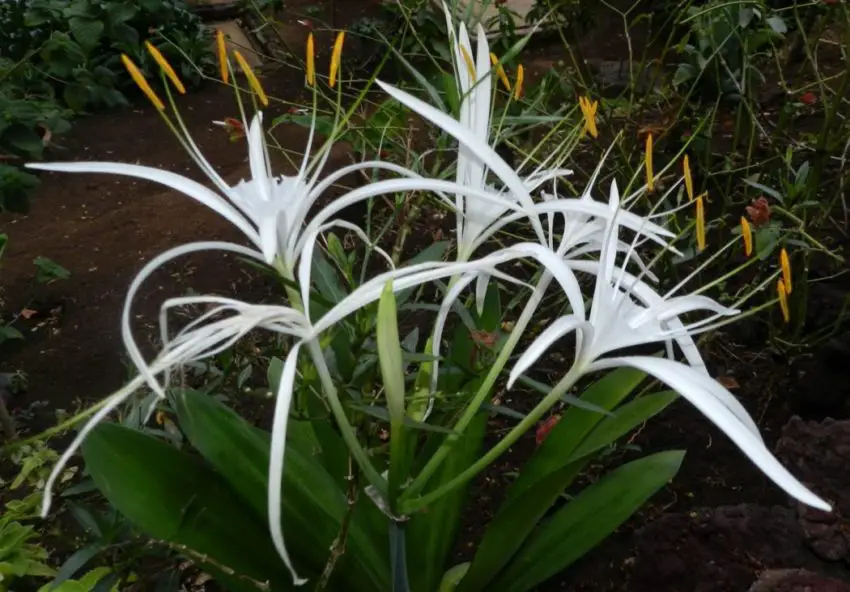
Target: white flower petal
x=487, y=155
x=709, y=397
x=545, y=340
x=276, y=458
x=177, y=182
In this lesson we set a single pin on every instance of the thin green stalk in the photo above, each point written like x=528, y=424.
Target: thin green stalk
x=565, y=384
x=472, y=408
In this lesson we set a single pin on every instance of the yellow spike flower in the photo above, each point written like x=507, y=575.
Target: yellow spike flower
x=166, y=67
x=253, y=81
x=500, y=71
x=650, y=176
x=221, y=46
x=689, y=180
x=470, y=65
x=700, y=223
x=520, y=79
x=140, y=81
x=747, y=233
x=336, y=58
x=311, y=60
x=785, y=264
x=588, y=110
x=783, y=300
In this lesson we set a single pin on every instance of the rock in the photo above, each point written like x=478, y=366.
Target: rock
x=818, y=453
x=718, y=549
x=797, y=580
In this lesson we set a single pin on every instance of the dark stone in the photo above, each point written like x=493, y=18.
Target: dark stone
x=797, y=580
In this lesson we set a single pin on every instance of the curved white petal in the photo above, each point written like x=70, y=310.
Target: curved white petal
x=708, y=397
x=257, y=158
x=177, y=182
x=545, y=340
x=276, y=458
x=482, y=150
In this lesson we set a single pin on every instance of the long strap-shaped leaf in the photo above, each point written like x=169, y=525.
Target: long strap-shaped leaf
x=588, y=519
x=314, y=505
x=174, y=497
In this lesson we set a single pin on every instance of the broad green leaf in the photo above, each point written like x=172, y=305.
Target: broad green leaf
x=575, y=424
x=174, y=497
x=490, y=319
x=582, y=433
x=431, y=533
x=86, y=31
x=588, y=519
x=626, y=418
x=314, y=505
x=507, y=531
x=326, y=278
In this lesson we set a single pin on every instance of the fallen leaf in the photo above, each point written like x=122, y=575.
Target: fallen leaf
x=729, y=382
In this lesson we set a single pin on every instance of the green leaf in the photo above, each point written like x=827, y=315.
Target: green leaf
x=86, y=31
x=429, y=88
x=626, y=418
x=382, y=413
x=431, y=533
x=174, y=497
x=552, y=468
x=76, y=96
x=575, y=424
x=49, y=270
x=26, y=141
x=490, y=319
x=327, y=280
x=120, y=12
x=389, y=354
x=588, y=519
x=313, y=503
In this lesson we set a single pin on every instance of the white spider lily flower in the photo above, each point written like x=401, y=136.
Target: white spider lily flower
x=626, y=312
x=269, y=210
x=228, y=320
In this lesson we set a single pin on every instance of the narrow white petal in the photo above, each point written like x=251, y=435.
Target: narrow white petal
x=177, y=182
x=487, y=155
x=278, y=448
x=257, y=158
x=126, y=329
x=481, y=284
x=709, y=399
x=544, y=341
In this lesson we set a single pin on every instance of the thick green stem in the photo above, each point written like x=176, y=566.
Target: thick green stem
x=495, y=371
x=566, y=383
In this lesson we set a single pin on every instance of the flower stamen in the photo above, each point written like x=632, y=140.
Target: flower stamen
x=520, y=79
x=700, y=223
x=166, y=67
x=253, y=81
x=336, y=58
x=785, y=264
x=747, y=233
x=500, y=71
x=588, y=110
x=650, y=177
x=140, y=81
x=689, y=180
x=223, y=66
x=311, y=60
x=470, y=65
x=783, y=300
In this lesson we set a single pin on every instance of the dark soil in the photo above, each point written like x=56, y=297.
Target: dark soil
x=716, y=528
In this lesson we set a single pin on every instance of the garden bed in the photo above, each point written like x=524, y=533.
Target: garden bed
x=719, y=525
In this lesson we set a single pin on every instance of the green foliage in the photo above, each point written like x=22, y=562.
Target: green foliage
x=724, y=38
x=60, y=58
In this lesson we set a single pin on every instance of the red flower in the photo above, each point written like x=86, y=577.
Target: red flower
x=546, y=427
x=759, y=212
x=809, y=98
